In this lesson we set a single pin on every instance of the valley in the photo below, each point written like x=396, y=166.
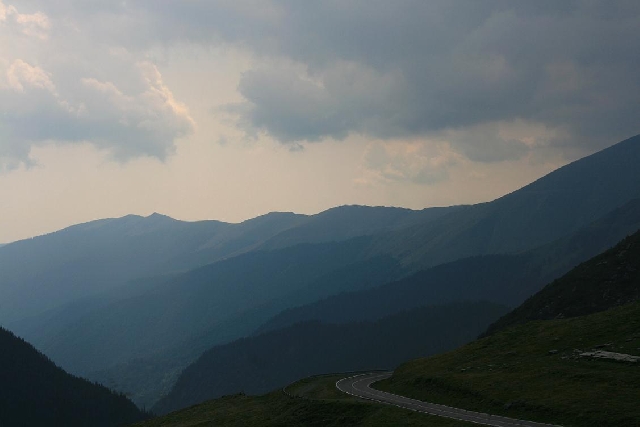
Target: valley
x=156, y=317
x=283, y=213
x=199, y=311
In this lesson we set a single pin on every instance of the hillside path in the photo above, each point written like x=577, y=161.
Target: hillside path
x=360, y=386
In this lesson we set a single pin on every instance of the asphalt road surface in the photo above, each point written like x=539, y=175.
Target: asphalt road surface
x=360, y=386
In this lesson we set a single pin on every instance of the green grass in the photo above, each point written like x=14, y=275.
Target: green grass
x=531, y=372
x=316, y=403
x=319, y=387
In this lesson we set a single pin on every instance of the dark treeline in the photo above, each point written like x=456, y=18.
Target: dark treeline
x=35, y=392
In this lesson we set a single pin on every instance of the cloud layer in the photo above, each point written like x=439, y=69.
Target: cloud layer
x=563, y=72
x=414, y=68
x=392, y=70
x=130, y=113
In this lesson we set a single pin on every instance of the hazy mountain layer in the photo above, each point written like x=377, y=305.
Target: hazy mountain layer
x=101, y=256
x=513, y=371
x=188, y=306
x=228, y=299
x=262, y=363
x=505, y=279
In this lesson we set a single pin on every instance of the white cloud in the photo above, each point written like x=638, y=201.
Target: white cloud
x=419, y=162
x=31, y=24
x=20, y=74
x=145, y=120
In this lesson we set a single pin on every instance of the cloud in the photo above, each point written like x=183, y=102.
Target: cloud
x=59, y=84
x=418, y=162
x=143, y=122
x=20, y=73
x=389, y=70
x=34, y=24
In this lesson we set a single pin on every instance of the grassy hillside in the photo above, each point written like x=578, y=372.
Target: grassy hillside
x=35, y=392
x=533, y=371
x=317, y=403
x=608, y=280
x=537, y=370
x=262, y=363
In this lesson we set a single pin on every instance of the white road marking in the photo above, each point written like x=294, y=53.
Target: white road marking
x=360, y=386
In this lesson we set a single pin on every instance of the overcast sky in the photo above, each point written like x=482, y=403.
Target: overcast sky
x=231, y=109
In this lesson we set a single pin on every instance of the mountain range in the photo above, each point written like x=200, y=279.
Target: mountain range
x=576, y=367
x=152, y=294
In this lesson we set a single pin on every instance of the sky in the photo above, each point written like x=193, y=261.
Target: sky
x=231, y=109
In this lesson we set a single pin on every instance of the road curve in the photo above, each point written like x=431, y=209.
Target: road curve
x=360, y=386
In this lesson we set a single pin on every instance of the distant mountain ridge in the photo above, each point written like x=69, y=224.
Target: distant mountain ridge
x=100, y=256
x=349, y=221
x=108, y=253
x=505, y=279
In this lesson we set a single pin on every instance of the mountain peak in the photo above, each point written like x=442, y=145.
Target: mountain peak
x=157, y=215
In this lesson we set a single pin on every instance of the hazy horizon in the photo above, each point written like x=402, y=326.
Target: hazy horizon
x=237, y=221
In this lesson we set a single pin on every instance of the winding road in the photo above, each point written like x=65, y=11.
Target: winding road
x=360, y=386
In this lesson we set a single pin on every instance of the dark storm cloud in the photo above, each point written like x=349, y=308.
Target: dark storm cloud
x=396, y=69
x=391, y=69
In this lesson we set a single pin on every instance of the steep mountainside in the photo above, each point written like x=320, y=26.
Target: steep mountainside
x=259, y=364
x=506, y=279
x=35, y=392
x=608, y=280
